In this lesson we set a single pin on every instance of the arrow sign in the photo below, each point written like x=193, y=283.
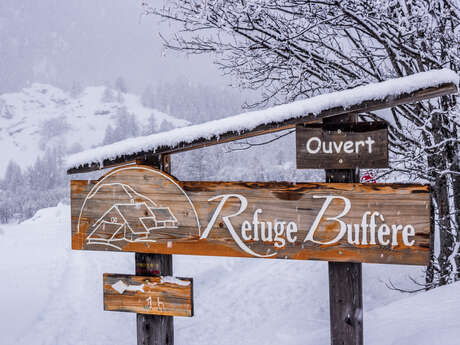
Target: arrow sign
x=148, y=295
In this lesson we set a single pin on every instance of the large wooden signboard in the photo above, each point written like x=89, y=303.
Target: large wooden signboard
x=139, y=209
x=148, y=295
x=342, y=146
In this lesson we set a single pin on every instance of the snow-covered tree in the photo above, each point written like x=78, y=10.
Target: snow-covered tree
x=126, y=126
x=120, y=85
x=148, y=97
x=13, y=177
x=294, y=49
x=109, y=137
x=76, y=89
x=108, y=96
x=196, y=102
x=5, y=110
x=120, y=97
x=166, y=126
x=151, y=126
x=5, y=208
x=44, y=184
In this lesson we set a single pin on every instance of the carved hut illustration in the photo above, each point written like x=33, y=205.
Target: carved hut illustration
x=131, y=221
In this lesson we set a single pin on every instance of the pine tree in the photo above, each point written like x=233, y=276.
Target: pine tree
x=5, y=207
x=148, y=97
x=108, y=136
x=5, y=110
x=126, y=126
x=108, y=96
x=120, y=85
x=120, y=97
x=166, y=126
x=13, y=177
x=76, y=89
x=151, y=126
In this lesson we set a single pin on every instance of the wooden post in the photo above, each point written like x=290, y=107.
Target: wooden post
x=155, y=329
x=345, y=279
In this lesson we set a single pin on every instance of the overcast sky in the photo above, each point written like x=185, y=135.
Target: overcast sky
x=92, y=42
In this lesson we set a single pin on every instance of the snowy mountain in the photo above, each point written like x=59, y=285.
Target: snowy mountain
x=42, y=116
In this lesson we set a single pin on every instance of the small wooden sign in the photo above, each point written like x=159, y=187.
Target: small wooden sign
x=140, y=209
x=360, y=145
x=148, y=295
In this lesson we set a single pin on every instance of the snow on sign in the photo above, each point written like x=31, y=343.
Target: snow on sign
x=140, y=209
x=148, y=295
x=363, y=145
x=360, y=99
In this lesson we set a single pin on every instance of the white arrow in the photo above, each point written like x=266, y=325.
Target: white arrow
x=120, y=286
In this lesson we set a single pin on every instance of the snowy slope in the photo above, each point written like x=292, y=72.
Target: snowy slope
x=51, y=295
x=428, y=318
x=24, y=114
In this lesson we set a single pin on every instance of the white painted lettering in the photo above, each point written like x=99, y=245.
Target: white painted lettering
x=364, y=227
x=348, y=146
x=370, y=142
x=266, y=235
x=327, y=150
x=372, y=227
x=408, y=231
x=290, y=229
x=350, y=231
x=309, y=142
x=255, y=223
x=327, y=202
x=384, y=230
x=358, y=144
x=226, y=219
x=315, y=145
x=394, y=237
x=338, y=147
x=279, y=231
x=245, y=227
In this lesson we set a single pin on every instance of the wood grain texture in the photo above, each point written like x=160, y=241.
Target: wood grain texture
x=334, y=139
x=148, y=295
x=413, y=97
x=345, y=278
x=155, y=329
x=192, y=205
x=346, y=303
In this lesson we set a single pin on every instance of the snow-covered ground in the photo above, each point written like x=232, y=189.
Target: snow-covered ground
x=52, y=295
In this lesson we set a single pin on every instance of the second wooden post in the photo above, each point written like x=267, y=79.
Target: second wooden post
x=345, y=278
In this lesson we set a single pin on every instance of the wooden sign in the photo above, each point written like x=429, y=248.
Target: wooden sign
x=342, y=146
x=140, y=209
x=148, y=295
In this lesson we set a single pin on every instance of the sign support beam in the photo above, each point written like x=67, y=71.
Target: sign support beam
x=154, y=329
x=345, y=278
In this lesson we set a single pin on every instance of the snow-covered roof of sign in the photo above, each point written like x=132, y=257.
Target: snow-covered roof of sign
x=359, y=99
